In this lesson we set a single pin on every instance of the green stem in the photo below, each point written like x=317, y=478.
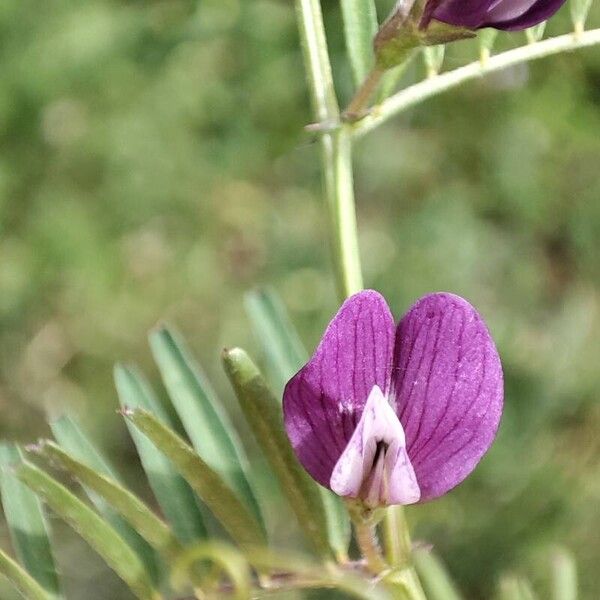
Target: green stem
x=366, y=538
x=396, y=538
x=358, y=105
x=417, y=93
x=336, y=150
x=339, y=190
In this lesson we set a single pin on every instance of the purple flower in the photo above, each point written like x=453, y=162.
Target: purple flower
x=500, y=14
x=396, y=415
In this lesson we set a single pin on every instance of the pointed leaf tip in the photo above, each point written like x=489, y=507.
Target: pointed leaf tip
x=263, y=413
x=202, y=414
x=227, y=507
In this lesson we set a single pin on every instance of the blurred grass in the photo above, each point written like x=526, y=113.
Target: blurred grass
x=152, y=164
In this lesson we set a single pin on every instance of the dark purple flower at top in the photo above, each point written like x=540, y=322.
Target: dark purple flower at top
x=499, y=14
x=396, y=415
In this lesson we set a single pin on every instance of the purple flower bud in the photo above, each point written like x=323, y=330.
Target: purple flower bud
x=396, y=415
x=499, y=14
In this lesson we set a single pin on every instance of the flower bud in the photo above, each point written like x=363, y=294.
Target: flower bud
x=508, y=15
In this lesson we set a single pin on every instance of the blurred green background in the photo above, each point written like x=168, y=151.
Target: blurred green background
x=153, y=165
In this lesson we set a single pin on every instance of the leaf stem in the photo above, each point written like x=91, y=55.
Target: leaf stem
x=423, y=90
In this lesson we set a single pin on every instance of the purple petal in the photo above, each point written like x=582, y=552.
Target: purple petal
x=500, y=14
x=537, y=13
x=448, y=387
x=324, y=401
x=507, y=10
x=462, y=13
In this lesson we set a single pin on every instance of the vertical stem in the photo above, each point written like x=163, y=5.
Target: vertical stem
x=339, y=189
x=336, y=150
x=366, y=538
x=395, y=535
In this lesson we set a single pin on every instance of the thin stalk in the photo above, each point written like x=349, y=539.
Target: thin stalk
x=423, y=90
x=395, y=536
x=359, y=104
x=336, y=150
x=339, y=190
x=366, y=538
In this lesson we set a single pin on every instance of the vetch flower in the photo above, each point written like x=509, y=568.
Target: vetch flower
x=396, y=415
x=499, y=14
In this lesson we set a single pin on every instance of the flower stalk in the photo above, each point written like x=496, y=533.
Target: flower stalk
x=359, y=103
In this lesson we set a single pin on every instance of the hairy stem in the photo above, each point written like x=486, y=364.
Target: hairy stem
x=423, y=90
x=366, y=538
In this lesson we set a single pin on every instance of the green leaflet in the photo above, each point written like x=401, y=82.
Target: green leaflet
x=326, y=577
x=131, y=508
x=564, y=576
x=70, y=436
x=434, y=577
x=535, y=33
x=27, y=523
x=279, y=340
x=92, y=528
x=172, y=492
x=515, y=587
x=579, y=13
x=233, y=514
x=206, y=423
x=360, y=27
x=227, y=558
x=434, y=59
x=285, y=355
x=22, y=580
x=263, y=413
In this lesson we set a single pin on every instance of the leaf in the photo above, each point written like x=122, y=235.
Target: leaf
x=27, y=523
x=338, y=524
x=433, y=575
x=174, y=495
x=392, y=78
x=360, y=27
x=229, y=559
x=579, y=13
x=487, y=39
x=278, y=339
x=284, y=356
x=207, y=425
x=564, y=576
x=514, y=587
x=318, y=576
x=536, y=33
x=434, y=59
x=239, y=522
x=263, y=414
x=92, y=528
x=70, y=436
x=131, y=508
x=22, y=580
